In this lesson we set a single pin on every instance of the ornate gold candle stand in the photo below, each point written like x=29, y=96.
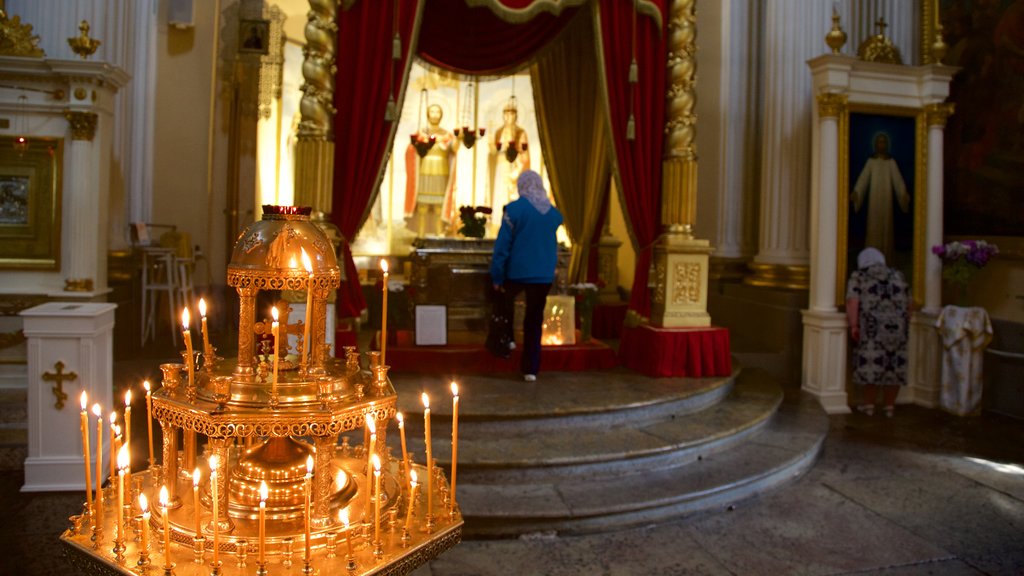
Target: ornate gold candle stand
x=262, y=431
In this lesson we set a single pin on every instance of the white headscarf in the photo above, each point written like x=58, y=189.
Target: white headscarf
x=531, y=187
x=869, y=257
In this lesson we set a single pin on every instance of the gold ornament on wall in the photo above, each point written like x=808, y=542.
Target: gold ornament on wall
x=836, y=37
x=878, y=48
x=17, y=39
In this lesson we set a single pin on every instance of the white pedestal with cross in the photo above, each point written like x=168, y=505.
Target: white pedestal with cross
x=70, y=349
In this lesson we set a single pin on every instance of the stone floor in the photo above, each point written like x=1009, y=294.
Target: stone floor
x=922, y=493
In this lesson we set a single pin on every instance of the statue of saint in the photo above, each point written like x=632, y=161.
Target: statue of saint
x=879, y=184
x=430, y=177
x=509, y=157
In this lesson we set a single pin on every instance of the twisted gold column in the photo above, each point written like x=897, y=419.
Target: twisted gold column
x=323, y=479
x=314, y=151
x=246, y=338
x=680, y=260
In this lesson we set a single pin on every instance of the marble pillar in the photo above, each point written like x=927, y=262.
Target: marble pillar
x=794, y=32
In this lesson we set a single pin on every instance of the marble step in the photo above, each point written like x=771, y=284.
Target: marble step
x=785, y=448
x=587, y=451
x=503, y=405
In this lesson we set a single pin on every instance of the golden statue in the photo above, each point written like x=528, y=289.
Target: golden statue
x=509, y=157
x=430, y=176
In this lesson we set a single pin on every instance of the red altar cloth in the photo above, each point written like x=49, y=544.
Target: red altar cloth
x=689, y=352
x=404, y=356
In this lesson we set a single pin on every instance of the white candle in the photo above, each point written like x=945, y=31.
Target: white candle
x=85, y=449
x=348, y=536
x=430, y=455
x=113, y=446
x=149, y=419
x=128, y=426
x=164, y=497
x=412, y=501
x=207, y=350
x=307, y=352
x=187, y=336
x=122, y=464
x=405, y=452
x=455, y=437
x=196, y=476
x=308, y=482
x=144, y=506
x=371, y=447
x=376, y=500
x=263, y=521
x=384, y=315
x=275, y=330
x=216, y=509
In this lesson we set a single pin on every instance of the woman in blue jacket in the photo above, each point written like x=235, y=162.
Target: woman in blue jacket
x=525, y=256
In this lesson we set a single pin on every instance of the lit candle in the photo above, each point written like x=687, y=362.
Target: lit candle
x=122, y=464
x=308, y=482
x=85, y=450
x=164, y=498
x=371, y=427
x=113, y=446
x=376, y=500
x=263, y=521
x=98, y=412
x=275, y=329
x=348, y=535
x=144, y=506
x=405, y=452
x=384, y=315
x=207, y=350
x=187, y=336
x=149, y=419
x=430, y=456
x=196, y=475
x=128, y=431
x=455, y=438
x=412, y=501
x=216, y=516
x=307, y=348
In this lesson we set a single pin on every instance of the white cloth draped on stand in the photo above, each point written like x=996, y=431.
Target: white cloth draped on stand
x=965, y=332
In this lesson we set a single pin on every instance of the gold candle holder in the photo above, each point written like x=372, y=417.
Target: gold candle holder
x=242, y=552
x=199, y=549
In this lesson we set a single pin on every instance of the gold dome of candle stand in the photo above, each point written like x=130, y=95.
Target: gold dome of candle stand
x=263, y=431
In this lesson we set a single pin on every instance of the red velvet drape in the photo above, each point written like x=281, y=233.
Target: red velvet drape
x=639, y=160
x=365, y=79
x=475, y=41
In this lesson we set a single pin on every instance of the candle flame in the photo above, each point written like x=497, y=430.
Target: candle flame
x=185, y=318
x=376, y=463
x=384, y=265
x=113, y=418
x=128, y=398
x=97, y=410
x=196, y=475
x=164, y=498
x=85, y=400
x=455, y=389
x=371, y=424
x=122, y=457
x=143, y=503
x=426, y=401
x=145, y=385
x=309, y=465
x=413, y=477
x=306, y=262
x=343, y=516
x=202, y=308
x=273, y=313
x=401, y=420
x=117, y=429
x=213, y=464
x=263, y=491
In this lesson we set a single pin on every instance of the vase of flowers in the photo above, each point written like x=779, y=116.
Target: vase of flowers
x=961, y=260
x=585, y=295
x=474, y=221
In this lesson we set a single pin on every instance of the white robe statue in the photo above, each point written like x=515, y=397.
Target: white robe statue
x=879, y=182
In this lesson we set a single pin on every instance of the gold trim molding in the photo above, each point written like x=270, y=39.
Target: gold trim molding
x=83, y=124
x=17, y=39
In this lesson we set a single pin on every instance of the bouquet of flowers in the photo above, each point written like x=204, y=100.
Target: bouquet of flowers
x=962, y=258
x=474, y=220
x=585, y=295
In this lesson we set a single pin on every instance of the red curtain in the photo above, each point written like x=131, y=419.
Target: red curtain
x=475, y=41
x=362, y=138
x=639, y=160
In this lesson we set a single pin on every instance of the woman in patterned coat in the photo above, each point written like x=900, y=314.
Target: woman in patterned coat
x=877, y=308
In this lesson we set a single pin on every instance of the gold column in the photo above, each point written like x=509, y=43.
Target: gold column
x=219, y=447
x=246, y=338
x=170, y=461
x=680, y=259
x=323, y=479
x=314, y=151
